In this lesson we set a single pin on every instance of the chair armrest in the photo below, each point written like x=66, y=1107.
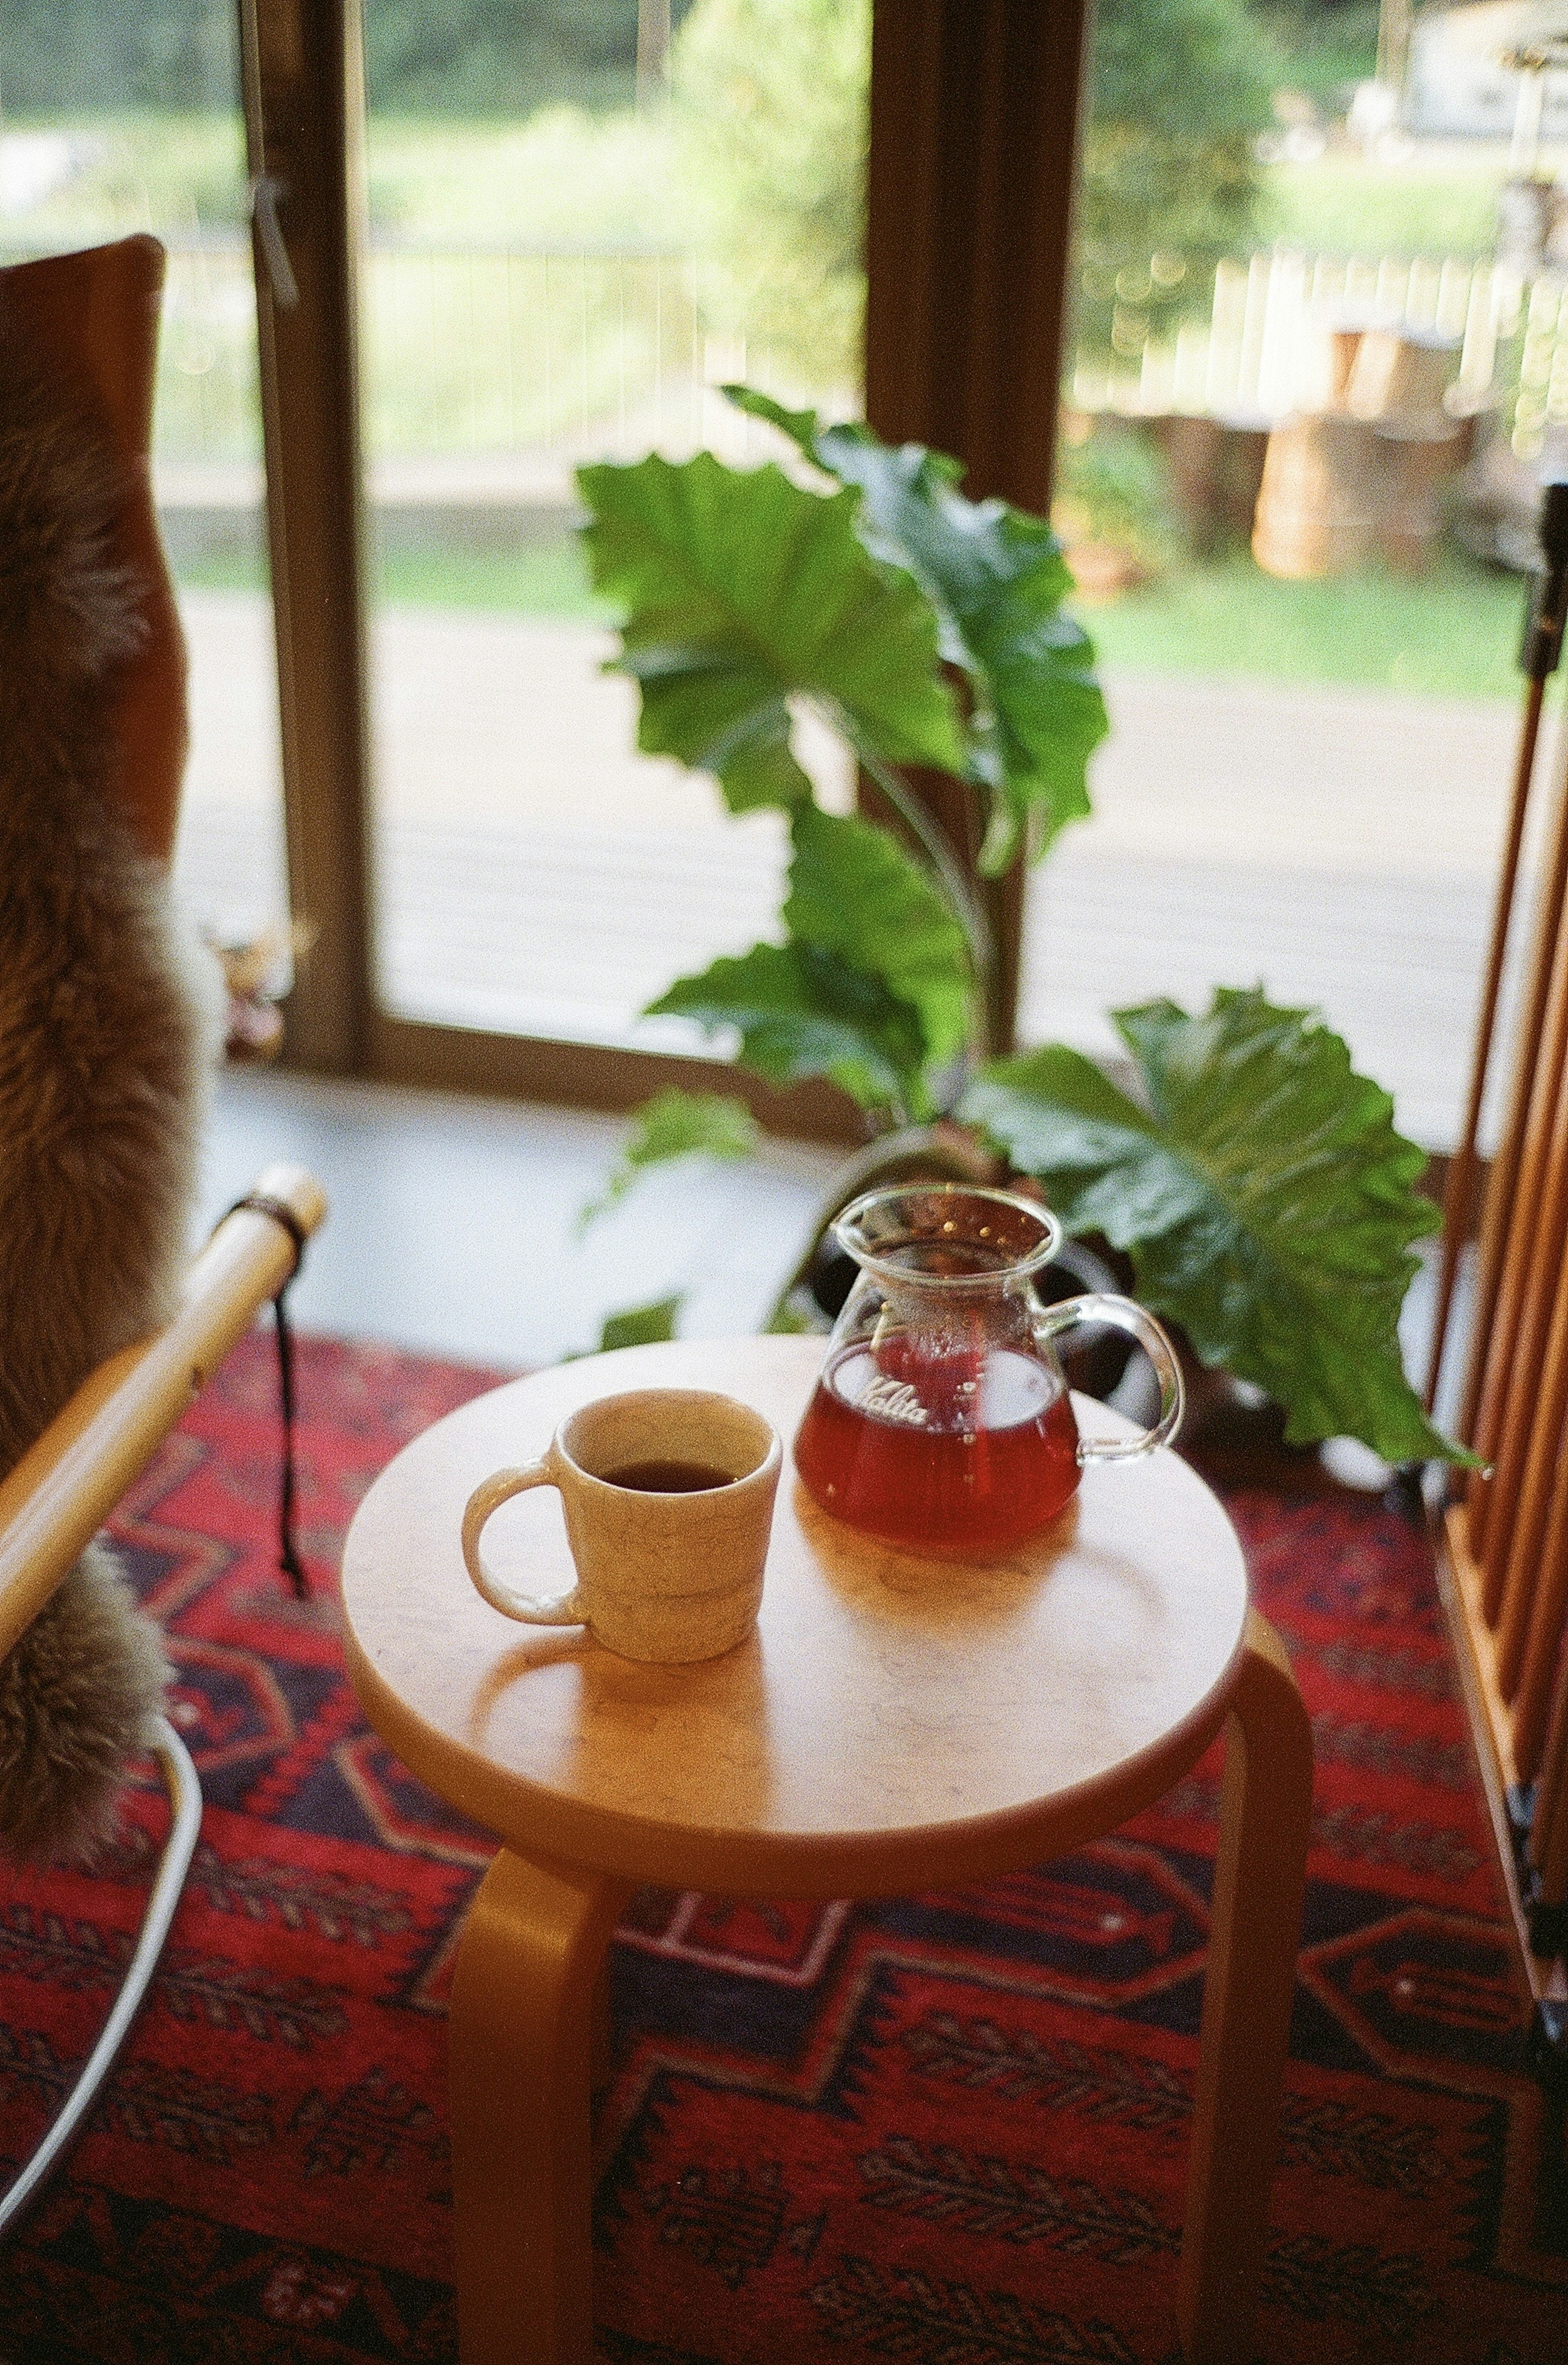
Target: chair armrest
x=68, y=1482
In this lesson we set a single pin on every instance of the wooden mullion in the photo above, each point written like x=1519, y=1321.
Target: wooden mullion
x=975, y=111
x=302, y=71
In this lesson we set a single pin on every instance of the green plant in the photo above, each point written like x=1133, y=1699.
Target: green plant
x=1325, y=49
x=1257, y=1184
x=1111, y=489
x=467, y=57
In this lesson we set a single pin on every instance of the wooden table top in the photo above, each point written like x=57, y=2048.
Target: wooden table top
x=893, y=1723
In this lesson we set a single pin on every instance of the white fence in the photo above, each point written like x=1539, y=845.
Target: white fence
x=1263, y=352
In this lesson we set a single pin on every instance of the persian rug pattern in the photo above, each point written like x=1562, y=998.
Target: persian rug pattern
x=946, y=2130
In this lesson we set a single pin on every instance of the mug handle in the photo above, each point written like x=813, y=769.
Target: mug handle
x=1122, y=1314
x=566, y=1608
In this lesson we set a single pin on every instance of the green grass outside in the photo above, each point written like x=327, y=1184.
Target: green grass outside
x=1440, y=200
x=547, y=580
x=561, y=175
x=1451, y=634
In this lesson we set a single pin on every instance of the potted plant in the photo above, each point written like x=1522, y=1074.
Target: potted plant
x=1254, y=1181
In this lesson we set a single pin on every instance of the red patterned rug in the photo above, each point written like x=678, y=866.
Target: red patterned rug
x=949, y=2130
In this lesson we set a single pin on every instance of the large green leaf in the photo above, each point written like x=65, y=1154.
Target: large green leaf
x=743, y=590
x=801, y=1011
x=642, y=1326
x=874, y=987
x=996, y=577
x=853, y=892
x=674, y=1125
x=1266, y=1201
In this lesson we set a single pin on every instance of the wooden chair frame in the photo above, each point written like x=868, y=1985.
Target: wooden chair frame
x=58, y=1496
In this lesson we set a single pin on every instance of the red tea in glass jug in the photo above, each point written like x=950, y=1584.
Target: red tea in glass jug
x=942, y=1421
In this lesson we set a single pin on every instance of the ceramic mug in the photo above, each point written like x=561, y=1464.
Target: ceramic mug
x=667, y=1495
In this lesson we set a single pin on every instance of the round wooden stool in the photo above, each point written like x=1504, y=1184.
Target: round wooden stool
x=894, y=1724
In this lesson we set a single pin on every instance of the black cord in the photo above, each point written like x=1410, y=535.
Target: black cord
x=260, y=1203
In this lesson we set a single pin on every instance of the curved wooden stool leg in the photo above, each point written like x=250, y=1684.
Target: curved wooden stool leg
x=1256, y=1930
x=520, y=2048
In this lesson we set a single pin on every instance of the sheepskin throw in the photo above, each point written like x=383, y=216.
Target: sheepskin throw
x=105, y=1043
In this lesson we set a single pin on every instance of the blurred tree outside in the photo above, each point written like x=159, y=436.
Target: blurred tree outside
x=491, y=57
x=499, y=57
x=1328, y=47
x=60, y=58
x=1181, y=90
x=768, y=107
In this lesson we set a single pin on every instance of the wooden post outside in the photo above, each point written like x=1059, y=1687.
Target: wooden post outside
x=653, y=51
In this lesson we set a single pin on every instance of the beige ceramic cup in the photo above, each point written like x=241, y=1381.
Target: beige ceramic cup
x=661, y=1576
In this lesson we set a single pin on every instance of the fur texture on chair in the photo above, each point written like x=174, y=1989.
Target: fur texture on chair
x=107, y=1029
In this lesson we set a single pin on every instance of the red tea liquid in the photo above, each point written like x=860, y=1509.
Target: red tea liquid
x=951, y=1452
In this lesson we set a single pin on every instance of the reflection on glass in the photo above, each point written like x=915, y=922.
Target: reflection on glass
x=1313, y=378
x=138, y=129
x=564, y=267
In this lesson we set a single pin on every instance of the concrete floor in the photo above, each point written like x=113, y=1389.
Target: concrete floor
x=453, y=1223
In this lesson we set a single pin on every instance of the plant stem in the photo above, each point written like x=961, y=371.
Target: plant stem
x=965, y=904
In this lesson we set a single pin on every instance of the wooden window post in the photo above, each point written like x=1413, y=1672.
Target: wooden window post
x=303, y=78
x=975, y=110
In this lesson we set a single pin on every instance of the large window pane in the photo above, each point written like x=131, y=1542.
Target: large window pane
x=564, y=270
x=1309, y=395
x=133, y=124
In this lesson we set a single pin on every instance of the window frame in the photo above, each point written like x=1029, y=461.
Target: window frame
x=975, y=107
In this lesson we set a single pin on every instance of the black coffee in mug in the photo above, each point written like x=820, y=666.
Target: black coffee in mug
x=667, y=1477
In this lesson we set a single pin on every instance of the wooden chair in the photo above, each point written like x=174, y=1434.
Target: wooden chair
x=63, y=1489
x=94, y=317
